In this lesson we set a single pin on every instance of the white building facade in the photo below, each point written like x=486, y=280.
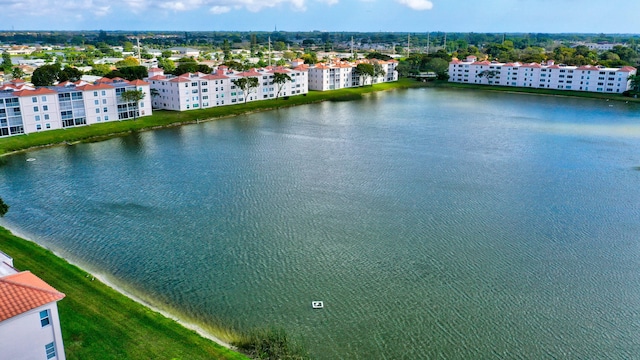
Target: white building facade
x=200, y=91
x=69, y=104
x=342, y=74
x=29, y=321
x=544, y=76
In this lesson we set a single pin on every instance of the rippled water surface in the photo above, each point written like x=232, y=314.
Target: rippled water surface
x=432, y=223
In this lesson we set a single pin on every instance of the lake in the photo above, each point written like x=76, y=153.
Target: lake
x=433, y=223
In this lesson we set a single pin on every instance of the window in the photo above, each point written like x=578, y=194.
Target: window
x=35, y=109
x=95, y=93
x=97, y=111
x=38, y=127
x=37, y=117
x=50, y=350
x=44, y=318
x=46, y=116
x=34, y=99
x=104, y=93
x=194, y=84
x=48, y=126
x=96, y=102
x=45, y=107
x=104, y=110
x=106, y=117
x=44, y=98
x=104, y=101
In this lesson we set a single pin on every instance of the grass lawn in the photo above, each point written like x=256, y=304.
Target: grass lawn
x=163, y=118
x=99, y=322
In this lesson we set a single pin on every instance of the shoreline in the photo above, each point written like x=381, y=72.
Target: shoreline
x=160, y=119
x=104, y=279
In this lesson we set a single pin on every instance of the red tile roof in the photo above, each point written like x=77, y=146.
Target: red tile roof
x=279, y=69
x=38, y=91
x=22, y=292
x=179, y=79
x=104, y=80
x=627, y=69
x=99, y=86
x=138, y=82
x=251, y=72
x=215, y=77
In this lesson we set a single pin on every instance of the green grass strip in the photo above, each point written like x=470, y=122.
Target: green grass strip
x=100, y=323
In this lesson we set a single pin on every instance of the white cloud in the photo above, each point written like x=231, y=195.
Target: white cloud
x=216, y=9
x=102, y=10
x=417, y=4
x=224, y=6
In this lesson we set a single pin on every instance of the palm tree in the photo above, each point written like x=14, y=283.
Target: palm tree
x=280, y=79
x=246, y=84
x=132, y=96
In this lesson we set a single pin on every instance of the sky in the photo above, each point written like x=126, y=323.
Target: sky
x=421, y=16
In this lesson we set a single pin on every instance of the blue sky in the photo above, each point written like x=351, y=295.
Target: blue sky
x=545, y=16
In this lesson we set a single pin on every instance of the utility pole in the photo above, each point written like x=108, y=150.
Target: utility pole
x=352, y=48
x=269, y=51
x=445, y=42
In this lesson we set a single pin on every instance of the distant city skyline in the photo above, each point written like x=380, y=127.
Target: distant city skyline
x=542, y=16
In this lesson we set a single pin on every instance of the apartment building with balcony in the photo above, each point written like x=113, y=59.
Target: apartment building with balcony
x=342, y=74
x=198, y=91
x=543, y=76
x=26, y=109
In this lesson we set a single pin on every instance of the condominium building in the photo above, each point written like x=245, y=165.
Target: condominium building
x=342, y=74
x=197, y=90
x=26, y=109
x=544, y=76
x=29, y=322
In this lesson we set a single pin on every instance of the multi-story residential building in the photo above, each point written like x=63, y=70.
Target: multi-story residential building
x=544, y=76
x=29, y=321
x=25, y=109
x=197, y=90
x=342, y=74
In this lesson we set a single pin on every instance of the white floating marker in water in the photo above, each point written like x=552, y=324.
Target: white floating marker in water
x=317, y=304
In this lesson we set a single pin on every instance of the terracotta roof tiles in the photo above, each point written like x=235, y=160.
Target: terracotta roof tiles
x=38, y=91
x=138, y=82
x=24, y=291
